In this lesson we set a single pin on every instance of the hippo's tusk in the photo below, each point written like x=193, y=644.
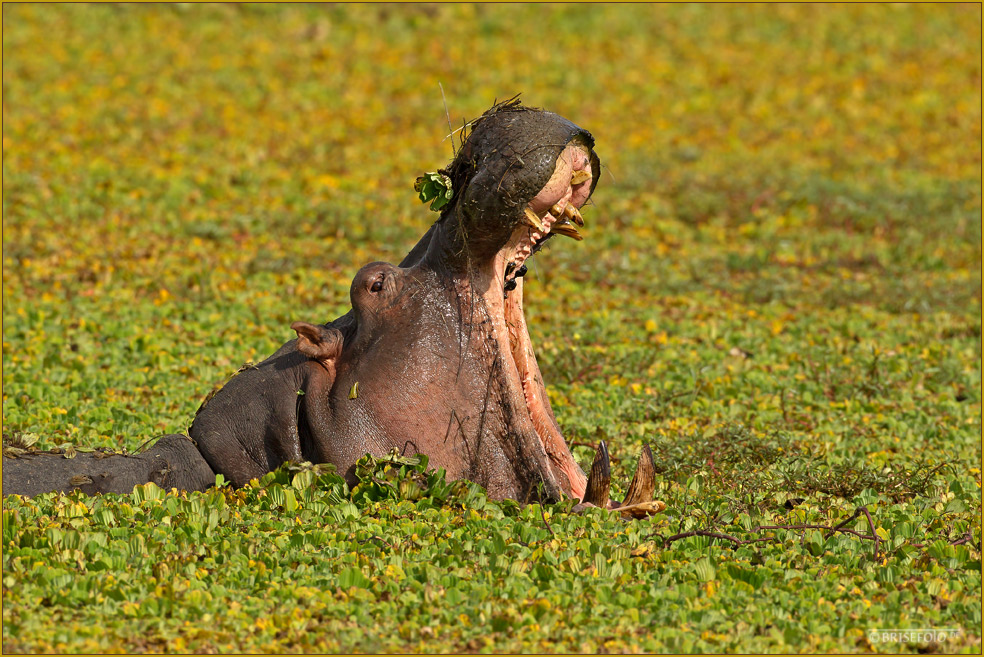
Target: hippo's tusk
x=643, y=482
x=567, y=230
x=642, y=509
x=572, y=213
x=599, y=479
x=534, y=220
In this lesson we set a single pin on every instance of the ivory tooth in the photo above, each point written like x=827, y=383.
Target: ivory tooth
x=556, y=210
x=641, y=510
x=571, y=213
x=533, y=220
x=567, y=230
x=578, y=219
x=579, y=177
x=599, y=479
x=643, y=481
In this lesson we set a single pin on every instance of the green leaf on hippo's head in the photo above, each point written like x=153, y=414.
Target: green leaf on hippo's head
x=434, y=186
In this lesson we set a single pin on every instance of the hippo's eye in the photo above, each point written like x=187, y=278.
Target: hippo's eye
x=377, y=285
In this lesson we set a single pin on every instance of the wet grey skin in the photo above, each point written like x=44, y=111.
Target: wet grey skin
x=433, y=358
x=172, y=462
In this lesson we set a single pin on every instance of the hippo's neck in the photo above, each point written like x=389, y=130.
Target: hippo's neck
x=420, y=249
x=445, y=249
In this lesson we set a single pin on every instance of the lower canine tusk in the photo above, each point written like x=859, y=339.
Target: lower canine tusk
x=644, y=481
x=599, y=479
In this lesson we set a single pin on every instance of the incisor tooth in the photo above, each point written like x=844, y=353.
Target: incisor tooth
x=533, y=220
x=556, y=210
x=579, y=177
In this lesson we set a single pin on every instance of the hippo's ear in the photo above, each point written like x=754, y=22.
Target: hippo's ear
x=317, y=341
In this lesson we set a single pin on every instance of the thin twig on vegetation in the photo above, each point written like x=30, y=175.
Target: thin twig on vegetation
x=840, y=527
x=871, y=526
x=545, y=523
x=841, y=524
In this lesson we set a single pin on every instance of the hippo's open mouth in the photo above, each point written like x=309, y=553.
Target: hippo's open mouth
x=554, y=211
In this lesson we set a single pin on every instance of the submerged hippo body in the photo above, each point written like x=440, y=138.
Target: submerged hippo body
x=435, y=356
x=172, y=462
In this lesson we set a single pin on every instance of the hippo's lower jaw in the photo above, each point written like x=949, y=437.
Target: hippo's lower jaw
x=555, y=206
x=507, y=303
x=591, y=490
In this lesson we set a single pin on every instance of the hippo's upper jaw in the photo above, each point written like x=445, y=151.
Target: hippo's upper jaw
x=521, y=171
x=555, y=210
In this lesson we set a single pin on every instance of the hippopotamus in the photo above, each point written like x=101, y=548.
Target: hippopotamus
x=434, y=357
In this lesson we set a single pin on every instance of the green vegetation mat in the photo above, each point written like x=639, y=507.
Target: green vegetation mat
x=779, y=289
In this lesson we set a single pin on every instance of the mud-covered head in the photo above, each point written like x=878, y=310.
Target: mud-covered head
x=515, y=158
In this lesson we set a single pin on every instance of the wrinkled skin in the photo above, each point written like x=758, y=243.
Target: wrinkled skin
x=435, y=356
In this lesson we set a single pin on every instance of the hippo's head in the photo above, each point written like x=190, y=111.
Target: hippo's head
x=520, y=176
